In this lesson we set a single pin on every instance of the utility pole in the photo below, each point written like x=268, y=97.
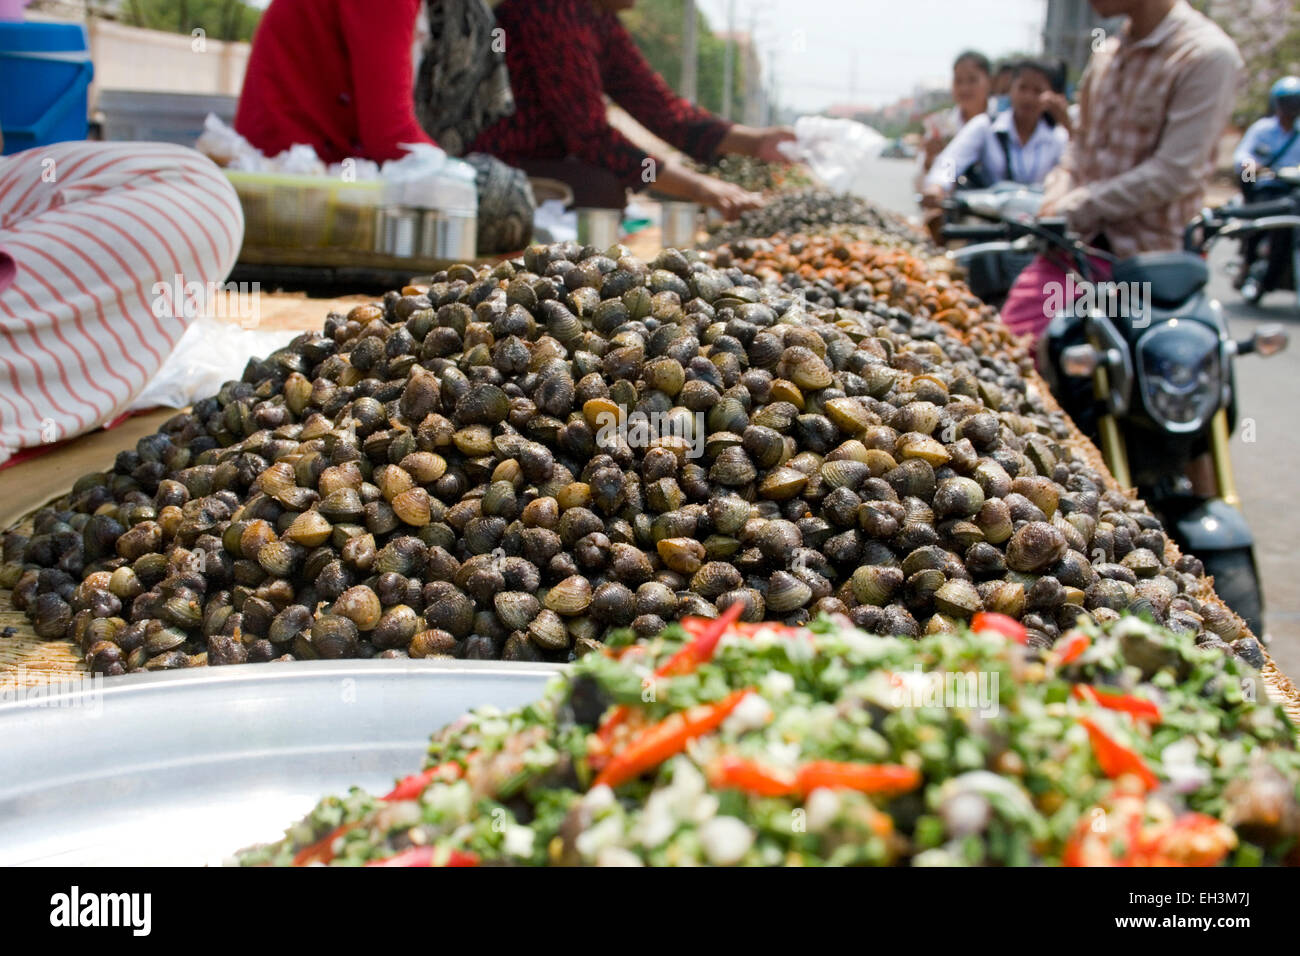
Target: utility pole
x=772, y=104
x=728, y=60
x=753, y=87
x=689, y=52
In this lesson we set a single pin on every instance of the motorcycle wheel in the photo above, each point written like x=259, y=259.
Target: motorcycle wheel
x=1236, y=581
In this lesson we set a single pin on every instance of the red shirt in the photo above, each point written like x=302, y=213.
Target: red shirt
x=562, y=55
x=334, y=74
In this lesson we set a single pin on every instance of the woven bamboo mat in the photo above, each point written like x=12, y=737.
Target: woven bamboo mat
x=25, y=659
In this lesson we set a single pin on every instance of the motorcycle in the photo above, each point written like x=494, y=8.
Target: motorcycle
x=1273, y=262
x=991, y=270
x=1143, y=363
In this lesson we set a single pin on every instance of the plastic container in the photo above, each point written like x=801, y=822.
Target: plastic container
x=431, y=213
x=148, y=116
x=425, y=216
x=282, y=211
x=45, y=72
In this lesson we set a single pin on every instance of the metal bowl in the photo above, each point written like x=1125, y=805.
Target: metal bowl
x=186, y=767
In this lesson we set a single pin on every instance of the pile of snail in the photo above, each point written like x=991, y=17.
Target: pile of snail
x=858, y=267
x=758, y=175
x=516, y=459
x=813, y=210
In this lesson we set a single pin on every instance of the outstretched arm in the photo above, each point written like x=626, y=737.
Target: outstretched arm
x=634, y=85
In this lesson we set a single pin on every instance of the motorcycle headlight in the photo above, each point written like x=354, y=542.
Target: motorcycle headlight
x=1180, y=373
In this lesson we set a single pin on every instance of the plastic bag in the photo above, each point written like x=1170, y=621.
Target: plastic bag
x=226, y=148
x=354, y=170
x=299, y=160
x=209, y=354
x=406, y=179
x=553, y=223
x=837, y=151
x=427, y=178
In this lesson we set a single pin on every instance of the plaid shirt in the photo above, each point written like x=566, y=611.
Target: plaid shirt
x=1152, y=111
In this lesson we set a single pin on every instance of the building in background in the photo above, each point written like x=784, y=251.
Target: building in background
x=1070, y=31
x=63, y=9
x=133, y=59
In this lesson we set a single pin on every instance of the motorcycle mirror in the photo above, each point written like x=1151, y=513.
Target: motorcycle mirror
x=1079, y=361
x=1269, y=340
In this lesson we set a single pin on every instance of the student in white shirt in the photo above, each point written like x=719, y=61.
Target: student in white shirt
x=1020, y=145
x=1274, y=141
x=972, y=82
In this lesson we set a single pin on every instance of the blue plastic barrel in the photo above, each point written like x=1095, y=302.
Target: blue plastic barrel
x=45, y=72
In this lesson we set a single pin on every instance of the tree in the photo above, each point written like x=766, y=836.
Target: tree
x=1267, y=32
x=218, y=19
x=656, y=25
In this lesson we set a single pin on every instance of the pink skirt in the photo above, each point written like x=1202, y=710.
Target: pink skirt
x=1040, y=291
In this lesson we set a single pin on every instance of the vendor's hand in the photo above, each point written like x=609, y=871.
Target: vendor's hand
x=932, y=197
x=1053, y=206
x=1065, y=205
x=727, y=198
x=768, y=140
x=759, y=142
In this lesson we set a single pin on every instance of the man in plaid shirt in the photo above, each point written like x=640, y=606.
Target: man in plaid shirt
x=1153, y=103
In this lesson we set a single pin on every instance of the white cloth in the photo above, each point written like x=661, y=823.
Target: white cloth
x=979, y=142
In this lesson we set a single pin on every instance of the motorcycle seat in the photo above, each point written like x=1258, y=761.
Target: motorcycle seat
x=1174, y=276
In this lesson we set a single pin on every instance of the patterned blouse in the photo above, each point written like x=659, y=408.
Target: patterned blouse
x=1152, y=112
x=562, y=56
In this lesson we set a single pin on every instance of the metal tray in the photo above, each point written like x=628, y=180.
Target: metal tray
x=184, y=768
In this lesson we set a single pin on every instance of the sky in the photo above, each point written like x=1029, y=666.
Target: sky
x=872, y=51
x=896, y=43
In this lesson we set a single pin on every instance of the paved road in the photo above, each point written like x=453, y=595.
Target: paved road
x=1268, y=469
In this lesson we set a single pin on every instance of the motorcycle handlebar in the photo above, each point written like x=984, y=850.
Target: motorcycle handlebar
x=977, y=233
x=1259, y=210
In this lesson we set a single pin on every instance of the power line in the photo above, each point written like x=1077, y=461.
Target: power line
x=728, y=60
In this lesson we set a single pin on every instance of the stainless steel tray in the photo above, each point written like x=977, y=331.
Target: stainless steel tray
x=183, y=768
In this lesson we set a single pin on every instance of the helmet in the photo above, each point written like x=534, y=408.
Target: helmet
x=1285, y=93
